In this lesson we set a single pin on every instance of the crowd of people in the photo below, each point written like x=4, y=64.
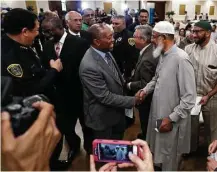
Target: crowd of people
x=97, y=71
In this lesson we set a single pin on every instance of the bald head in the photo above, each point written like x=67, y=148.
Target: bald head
x=74, y=21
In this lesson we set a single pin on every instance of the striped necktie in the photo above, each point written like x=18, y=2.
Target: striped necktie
x=111, y=65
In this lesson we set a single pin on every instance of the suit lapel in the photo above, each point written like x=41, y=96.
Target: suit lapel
x=105, y=66
x=141, y=57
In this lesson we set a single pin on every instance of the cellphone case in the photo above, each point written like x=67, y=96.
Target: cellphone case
x=118, y=142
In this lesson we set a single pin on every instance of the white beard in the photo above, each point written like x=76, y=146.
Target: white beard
x=157, y=52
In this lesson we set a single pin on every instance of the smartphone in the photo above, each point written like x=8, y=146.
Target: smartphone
x=158, y=124
x=114, y=150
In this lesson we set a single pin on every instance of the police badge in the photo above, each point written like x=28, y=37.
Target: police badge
x=131, y=41
x=15, y=70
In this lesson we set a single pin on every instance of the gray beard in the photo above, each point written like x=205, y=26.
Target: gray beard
x=157, y=52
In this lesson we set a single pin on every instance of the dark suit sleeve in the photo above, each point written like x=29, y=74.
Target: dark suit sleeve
x=147, y=72
x=95, y=83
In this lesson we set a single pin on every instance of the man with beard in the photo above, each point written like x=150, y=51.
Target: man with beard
x=142, y=20
x=203, y=54
x=173, y=98
x=103, y=88
x=144, y=71
x=70, y=50
x=88, y=18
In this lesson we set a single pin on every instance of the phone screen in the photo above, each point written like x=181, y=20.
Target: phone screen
x=115, y=152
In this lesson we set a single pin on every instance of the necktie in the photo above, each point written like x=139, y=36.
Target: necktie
x=111, y=65
x=57, y=50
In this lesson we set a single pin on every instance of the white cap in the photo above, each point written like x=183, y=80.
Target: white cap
x=164, y=27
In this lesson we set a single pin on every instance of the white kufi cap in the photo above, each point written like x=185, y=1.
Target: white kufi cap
x=164, y=27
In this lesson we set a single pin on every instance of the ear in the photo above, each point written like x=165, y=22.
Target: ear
x=25, y=31
x=96, y=42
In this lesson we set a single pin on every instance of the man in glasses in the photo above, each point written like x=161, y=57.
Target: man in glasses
x=203, y=54
x=88, y=18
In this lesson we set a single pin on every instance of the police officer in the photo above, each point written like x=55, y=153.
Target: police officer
x=124, y=54
x=21, y=62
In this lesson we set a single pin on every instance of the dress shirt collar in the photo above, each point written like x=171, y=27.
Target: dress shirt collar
x=62, y=40
x=73, y=33
x=102, y=54
x=142, y=51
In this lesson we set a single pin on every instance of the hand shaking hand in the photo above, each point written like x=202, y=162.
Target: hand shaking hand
x=139, y=97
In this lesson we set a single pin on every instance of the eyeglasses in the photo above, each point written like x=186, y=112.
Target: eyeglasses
x=197, y=31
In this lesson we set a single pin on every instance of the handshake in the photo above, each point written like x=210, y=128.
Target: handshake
x=140, y=96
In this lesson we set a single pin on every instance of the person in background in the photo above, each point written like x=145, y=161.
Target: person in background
x=195, y=17
x=214, y=34
x=128, y=17
x=70, y=50
x=74, y=24
x=203, y=53
x=186, y=20
x=142, y=20
x=207, y=17
x=125, y=55
x=180, y=37
x=88, y=18
x=189, y=39
x=177, y=26
x=143, y=73
x=171, y=103
x=103, y=88
x=32, y=150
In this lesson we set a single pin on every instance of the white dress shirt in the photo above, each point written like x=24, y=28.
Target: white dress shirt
x=75, y=34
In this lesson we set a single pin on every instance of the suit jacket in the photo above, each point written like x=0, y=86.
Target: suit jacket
x=68, y=83
x=145, y=69
x=84, y=35
x=104, y=100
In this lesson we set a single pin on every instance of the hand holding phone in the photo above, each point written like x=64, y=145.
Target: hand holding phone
x=114, y=150
x=142, y=160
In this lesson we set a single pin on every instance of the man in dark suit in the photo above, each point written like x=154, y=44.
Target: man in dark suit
x=125, y=55
x=104, y=99
x=70, y=50
x=142, y=20
x=144, y=71
x=74, y=22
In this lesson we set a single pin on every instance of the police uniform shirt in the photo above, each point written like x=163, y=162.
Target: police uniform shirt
x=23, y=65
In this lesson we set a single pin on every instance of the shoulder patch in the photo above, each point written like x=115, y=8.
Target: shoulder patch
x=131, y=41
x=15, y=70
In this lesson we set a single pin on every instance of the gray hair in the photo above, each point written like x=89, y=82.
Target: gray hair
x=119, y=17
x=67, y=16
x=146, y=32
x=86, y=10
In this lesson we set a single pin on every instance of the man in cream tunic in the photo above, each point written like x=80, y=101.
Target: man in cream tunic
x=174, y=97
x=203, y=54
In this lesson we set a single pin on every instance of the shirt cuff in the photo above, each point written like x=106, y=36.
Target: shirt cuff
x=128, y=85
x=174, y=117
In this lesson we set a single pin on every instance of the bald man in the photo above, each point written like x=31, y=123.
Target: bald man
x=74, y=24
